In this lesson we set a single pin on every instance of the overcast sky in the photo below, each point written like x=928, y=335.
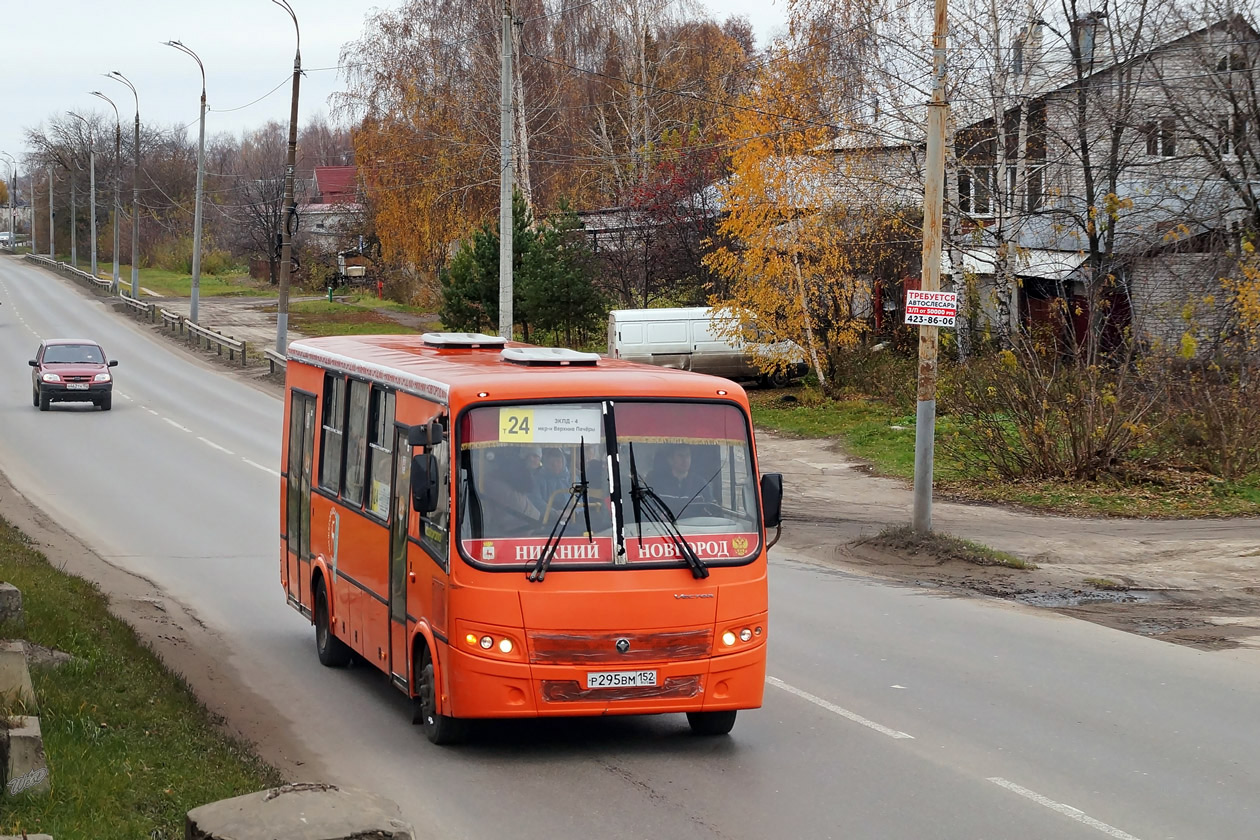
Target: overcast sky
x=53, y=52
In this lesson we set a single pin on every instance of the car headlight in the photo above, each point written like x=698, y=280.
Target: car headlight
x=51, y=377
x=101, y=377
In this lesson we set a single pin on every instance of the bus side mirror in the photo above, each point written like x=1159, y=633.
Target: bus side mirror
x=430, y=434
x=772, y=499
x=424, y=483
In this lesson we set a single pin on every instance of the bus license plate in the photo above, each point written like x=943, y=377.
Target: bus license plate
x=620, y=679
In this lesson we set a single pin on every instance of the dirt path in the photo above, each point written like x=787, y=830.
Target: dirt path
x=1193, y=581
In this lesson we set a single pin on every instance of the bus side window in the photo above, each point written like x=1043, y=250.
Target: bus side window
x=332, y=447
x=356, y=443
x=380, y=455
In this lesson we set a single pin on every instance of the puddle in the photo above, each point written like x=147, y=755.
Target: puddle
x=1078, y=598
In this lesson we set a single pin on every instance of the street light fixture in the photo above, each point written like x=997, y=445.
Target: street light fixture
x=201, y=169
x=92, y=169
x=135, y=190
x=117, y=181
x=289, y=211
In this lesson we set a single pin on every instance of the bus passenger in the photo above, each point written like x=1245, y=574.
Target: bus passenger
x=678, y=481
x=507, y=487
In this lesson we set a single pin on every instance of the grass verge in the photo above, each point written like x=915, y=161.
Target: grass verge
x=356, y=315
x=177, y=284
x=129, y=747
x=943, y=547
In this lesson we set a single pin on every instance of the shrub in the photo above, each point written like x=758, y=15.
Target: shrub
x=1213, y=417
x=1031, y=412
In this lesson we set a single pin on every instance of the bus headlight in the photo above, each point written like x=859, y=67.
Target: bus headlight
x=487, y=642
x=728, y=638
x=505, y=645
x=745, y=634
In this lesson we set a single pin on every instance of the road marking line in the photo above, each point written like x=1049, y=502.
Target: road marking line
x=832, y=707
x=261, y=467
x=214, y=445
x=176, y=425
x=1066, y=810
x=151, y=411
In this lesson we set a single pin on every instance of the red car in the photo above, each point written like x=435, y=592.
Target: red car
x=71, y=370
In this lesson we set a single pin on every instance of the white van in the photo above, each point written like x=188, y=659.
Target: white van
x=684, y=338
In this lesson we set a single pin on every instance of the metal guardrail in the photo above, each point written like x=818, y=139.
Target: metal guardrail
x=232, y=345
x=170, y=320
x=274, y=358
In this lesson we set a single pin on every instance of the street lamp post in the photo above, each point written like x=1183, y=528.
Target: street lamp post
x=74, y=232
x=12, y=198
x=201, y=169
x=113, y=289
x=52, y=236
x=92, y=183
x=289, y=211
x=135, y=191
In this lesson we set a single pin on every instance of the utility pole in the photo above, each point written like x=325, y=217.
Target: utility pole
x=74, y=245
x=52, y=236
x=201, y=169
x=289, y=210
x=933, y=201
x=135, y=193
x=92, y=184
x=113, y=288
x=505, y=179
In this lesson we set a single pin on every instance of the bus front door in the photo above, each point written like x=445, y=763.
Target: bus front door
x=298, y=497
x=400, y=514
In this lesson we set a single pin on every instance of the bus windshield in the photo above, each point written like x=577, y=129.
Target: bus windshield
x=530, y=474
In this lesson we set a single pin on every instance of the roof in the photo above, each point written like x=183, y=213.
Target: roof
x=93, y=342
x=434, y=373
x=336, y=184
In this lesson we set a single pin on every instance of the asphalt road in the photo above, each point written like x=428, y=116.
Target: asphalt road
x=892, y=712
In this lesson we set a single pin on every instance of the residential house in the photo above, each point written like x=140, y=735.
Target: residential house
x=329, y=221
x=1159, y=173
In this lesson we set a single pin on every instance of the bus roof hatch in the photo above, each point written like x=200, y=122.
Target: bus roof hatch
x=555, y=356
x=462, y=339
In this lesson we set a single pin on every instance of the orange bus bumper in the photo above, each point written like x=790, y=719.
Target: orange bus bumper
x=484, y=688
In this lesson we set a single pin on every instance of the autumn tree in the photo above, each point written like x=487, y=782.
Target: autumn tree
x=796, y=250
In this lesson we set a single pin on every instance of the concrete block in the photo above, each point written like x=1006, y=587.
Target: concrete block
x=299, y=812
x=27, y=770
x=15, y=677
x=10, y=603
x=26, y=837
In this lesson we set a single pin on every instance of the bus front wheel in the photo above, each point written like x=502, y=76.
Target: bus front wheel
x=333, y=652
x=711, y=723
x=439, y=729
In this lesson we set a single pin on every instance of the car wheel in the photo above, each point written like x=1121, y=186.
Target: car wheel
x=45, y=401
x=35, y=397
x=711, y=723
x=106, y=402
x=333, y=652
x=439, y=729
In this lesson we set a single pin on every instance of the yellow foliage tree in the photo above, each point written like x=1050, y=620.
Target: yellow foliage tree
x=797, y=243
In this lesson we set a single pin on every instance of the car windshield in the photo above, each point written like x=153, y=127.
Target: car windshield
x=71, y=354
x=519, y=466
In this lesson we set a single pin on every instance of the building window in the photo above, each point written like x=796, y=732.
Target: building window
x=977, y=190
x=1161, y=137
x=1231, y=133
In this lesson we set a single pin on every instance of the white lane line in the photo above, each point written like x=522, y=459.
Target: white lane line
x=151, y=411
x=832, y=707
x=261, y=467
x=176, y=425
x=214, y=445
x=1066, y=810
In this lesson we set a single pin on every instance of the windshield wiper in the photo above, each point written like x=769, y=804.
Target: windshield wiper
x=644, y=497
x=539, y=570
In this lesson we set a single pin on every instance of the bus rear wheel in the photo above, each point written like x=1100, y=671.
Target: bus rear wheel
x=439, y=729
x=333, y=652
x=711, y=723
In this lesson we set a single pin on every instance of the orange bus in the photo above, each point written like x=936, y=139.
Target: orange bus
x=518, y=531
